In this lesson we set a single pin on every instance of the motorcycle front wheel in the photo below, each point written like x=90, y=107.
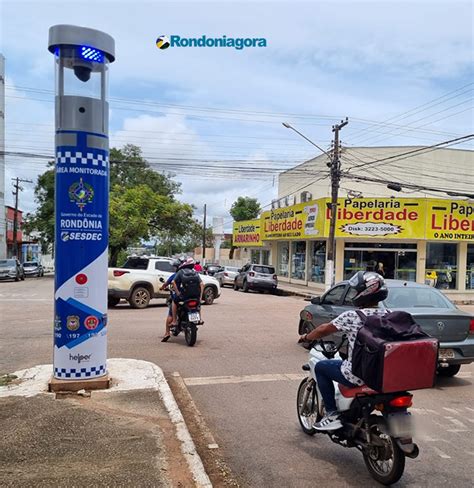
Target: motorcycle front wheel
x=308, y=406
x=385, y=461
x=190, y=334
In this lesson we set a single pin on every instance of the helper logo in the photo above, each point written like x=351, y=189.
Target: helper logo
x=164, y=42
x=80, y=357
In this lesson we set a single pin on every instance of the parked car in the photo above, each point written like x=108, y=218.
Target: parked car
x=431, y=309
x=11, y=269
x=256, y=277
x=226, y=275
x=33, y=268
x=211, y=269
x=138, y=281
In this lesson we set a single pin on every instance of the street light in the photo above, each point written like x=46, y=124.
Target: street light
x=334, y=165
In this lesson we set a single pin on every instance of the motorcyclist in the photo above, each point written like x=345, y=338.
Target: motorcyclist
x=169, y=318
x=371, y=290
x=186, y=269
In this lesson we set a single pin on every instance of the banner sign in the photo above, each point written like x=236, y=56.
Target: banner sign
x=247, y=233
x=301, y=221
x=390, y=218
x=81, y=250
x=450, y=220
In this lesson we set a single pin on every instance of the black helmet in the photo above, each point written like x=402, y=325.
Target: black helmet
x=176, y=264
x=370, y=288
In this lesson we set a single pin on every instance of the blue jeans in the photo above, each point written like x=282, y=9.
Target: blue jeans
x=328, y=371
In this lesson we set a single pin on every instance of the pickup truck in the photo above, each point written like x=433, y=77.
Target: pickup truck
x=138, y=281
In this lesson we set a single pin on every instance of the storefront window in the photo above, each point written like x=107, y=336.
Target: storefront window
x=441, y=265
x=318, y=261
x=265, y=257
x=470, y=267
x=255, y=256
x=298, y=270
x=283, y=258
x=390, y=262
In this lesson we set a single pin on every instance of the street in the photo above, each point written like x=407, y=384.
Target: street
x=243, y=375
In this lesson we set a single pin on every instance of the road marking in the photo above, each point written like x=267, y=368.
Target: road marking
x=252, y=378
x=440, y=453
x=456, y=422
x=451, y=410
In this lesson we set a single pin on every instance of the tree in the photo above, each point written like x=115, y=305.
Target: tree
x=245, y=208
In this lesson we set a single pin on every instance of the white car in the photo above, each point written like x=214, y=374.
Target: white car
x=138, y=281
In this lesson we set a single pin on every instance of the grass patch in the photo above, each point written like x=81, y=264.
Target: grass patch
x=6, y=379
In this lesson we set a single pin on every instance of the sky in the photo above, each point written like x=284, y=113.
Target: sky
x=213, y=116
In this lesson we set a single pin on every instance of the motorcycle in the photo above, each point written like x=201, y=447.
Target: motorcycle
x=188, y=320
x=377, y=424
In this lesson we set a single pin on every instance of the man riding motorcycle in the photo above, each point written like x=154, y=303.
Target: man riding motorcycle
x=186, y=273
x=371, y=290
x=173, y=298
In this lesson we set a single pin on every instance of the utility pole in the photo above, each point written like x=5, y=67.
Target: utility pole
x=335, y=178
x=204, y=236
x=18, y=188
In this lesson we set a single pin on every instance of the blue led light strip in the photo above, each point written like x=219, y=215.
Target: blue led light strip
x=91, y=54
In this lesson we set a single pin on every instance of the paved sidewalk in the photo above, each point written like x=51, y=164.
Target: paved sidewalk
x=130, y=435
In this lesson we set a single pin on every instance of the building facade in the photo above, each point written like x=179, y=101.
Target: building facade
x=419, y=238
x=10, y=224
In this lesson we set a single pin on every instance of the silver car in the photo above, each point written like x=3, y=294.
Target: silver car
x=256, y=277
x=11, y=269
x=226, y=275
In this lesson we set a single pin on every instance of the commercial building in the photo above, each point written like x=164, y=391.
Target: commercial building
x=417, y=236
x=10, y=225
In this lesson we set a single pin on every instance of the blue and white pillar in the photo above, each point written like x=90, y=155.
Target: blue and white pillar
x=82, y=56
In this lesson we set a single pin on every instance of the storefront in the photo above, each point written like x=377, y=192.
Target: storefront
x=425, y=240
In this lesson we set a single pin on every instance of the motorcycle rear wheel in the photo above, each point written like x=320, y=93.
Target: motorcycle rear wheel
x=190, y=334
x=308, y=406
x=385, y=464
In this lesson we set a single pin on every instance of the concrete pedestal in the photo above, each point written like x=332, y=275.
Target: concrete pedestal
x=101, y=383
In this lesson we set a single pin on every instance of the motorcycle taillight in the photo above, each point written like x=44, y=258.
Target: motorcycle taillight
x=402, y=401
x=192, y=303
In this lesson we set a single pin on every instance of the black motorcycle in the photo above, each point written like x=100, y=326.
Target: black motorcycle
x=188, y=320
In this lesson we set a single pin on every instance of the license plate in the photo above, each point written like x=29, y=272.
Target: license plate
x=194, y=317
x=400, y=424
x=446, y=354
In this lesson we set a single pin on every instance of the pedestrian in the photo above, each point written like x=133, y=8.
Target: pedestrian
x=380, y=270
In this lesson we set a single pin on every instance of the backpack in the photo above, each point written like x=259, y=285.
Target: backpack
x=392, y=353
x=190, y=284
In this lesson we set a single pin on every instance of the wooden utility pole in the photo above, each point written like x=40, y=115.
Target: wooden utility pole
x=204, y=236
x=335, y=178
x=18, y=188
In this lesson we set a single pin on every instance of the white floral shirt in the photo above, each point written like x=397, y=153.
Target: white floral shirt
x=350, y=323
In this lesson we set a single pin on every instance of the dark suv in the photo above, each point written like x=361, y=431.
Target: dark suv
x=256, y=277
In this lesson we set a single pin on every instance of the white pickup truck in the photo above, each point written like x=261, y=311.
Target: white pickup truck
x=138, y=281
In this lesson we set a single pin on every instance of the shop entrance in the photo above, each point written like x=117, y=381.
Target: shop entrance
x=392, y=261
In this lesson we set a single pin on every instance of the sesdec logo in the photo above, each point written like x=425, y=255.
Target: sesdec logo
x=164, y=42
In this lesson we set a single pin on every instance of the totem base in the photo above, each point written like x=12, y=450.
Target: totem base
x=56, y=385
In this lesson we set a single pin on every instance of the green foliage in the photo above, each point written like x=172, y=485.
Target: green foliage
x=245, y=208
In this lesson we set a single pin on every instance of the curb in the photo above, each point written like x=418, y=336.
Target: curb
x=126, y=374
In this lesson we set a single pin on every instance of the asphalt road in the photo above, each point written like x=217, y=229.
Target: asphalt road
x=243, y=374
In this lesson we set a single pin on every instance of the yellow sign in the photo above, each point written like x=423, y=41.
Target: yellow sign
x=247, y=233
x=301, y=221
x=450, y=220
x=389, y=218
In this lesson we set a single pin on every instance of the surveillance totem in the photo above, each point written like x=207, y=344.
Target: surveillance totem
x=81, y=200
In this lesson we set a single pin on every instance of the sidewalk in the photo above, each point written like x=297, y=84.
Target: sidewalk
x=298, y=290
x=130, y=435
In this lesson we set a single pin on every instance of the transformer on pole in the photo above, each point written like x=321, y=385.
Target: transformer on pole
x=82, y=58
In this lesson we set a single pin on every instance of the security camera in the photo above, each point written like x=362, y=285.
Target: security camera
x=83, y=73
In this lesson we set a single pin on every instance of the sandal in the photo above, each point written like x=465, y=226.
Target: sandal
x=165, y=339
